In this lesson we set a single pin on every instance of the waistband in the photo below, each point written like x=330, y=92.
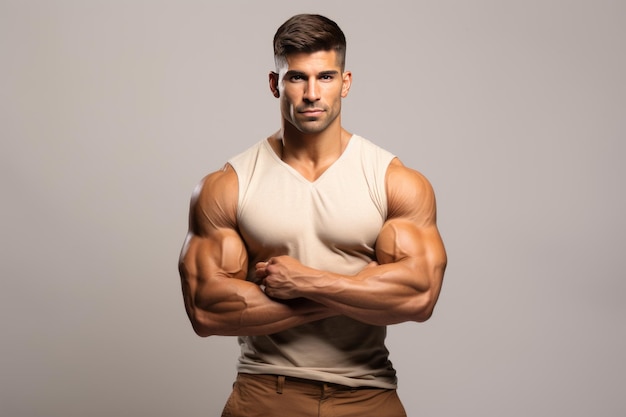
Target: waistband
x=280, y=381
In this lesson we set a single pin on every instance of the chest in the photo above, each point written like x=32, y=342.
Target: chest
x=285, y=214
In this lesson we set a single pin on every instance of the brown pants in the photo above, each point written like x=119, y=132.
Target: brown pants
x=279, y=396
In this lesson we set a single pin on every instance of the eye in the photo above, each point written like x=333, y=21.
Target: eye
x=296, y=77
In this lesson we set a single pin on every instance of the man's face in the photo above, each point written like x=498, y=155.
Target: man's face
x=311, y=87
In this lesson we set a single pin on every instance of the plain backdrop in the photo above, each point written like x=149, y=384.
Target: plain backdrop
x=112, y=111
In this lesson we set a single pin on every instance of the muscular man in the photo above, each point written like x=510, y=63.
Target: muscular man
x=307, y=245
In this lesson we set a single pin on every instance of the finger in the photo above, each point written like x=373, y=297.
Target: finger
x=260, y=273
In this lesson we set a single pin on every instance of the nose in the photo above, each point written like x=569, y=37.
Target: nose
x=311, y=92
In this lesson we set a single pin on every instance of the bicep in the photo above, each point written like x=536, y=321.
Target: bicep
x=208, y=263
x=222, y=254
x=213, y=244
x=213, y=252
x=419, y=248
x=410, y=235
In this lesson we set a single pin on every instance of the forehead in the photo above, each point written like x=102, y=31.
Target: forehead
x=317, y=61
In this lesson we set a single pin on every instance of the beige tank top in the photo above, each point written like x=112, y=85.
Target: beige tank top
x=331, y=224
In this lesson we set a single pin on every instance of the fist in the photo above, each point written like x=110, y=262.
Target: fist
x=281, y=276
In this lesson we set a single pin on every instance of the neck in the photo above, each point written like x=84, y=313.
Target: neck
x=310, y=153
x=328, y=144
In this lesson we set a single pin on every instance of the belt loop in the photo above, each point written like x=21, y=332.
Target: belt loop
x=280, y=383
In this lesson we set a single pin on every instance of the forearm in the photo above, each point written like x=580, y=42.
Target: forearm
x=250, y=312
x=379, y=295
x=404, y=286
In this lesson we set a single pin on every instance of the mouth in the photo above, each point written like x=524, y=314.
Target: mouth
x=311, y=112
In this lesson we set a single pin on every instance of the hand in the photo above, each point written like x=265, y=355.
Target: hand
x=283, y=277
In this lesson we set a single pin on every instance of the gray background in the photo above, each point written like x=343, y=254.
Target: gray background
x=111, y=111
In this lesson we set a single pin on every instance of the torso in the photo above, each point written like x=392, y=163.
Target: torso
x=330, y=223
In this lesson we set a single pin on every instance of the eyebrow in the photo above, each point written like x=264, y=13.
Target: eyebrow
x=291, y=73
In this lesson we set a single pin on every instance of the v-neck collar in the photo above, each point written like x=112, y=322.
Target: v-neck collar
x=297, y=173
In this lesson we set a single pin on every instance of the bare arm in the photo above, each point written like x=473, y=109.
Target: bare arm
x=213, y=266
x=405, y=283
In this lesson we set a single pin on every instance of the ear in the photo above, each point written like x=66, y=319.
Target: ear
x=347, y=82
x=273, y=80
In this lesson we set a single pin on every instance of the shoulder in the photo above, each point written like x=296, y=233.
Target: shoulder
x=219, y=183
x=409, y=193
x=214, y=200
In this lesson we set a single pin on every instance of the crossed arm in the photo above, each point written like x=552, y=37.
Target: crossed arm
x=213, y=267
x=403, y=285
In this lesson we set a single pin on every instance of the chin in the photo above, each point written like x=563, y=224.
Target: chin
x=313, y=126
x=312, y=131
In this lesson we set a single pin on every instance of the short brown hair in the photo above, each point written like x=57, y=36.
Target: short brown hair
x=309, y=33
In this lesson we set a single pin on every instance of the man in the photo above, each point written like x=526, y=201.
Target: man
x=308, y=245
